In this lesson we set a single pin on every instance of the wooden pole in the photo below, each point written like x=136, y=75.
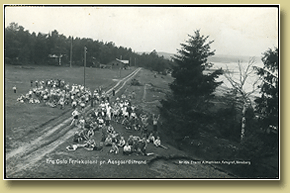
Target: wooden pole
x=85, y=51
x=70, y=62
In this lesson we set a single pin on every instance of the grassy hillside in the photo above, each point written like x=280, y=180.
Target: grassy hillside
x=22, y=118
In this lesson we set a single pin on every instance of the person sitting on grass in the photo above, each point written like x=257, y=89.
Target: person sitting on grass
x=141, y=146
x=114, y=148
x=36, y=101
x=30, y=93
x=108, y=141
x=151, y=138
x=133, y=115
x=74, y=147
x=121, y=142
x=157, y=141
x=31, y=100
x=94, y=125
x=51, y=104
x=114, y=136
x=100, y=121
x=90, y=144
x=21, y=98
x=45, y=98
x=79, y=136
x=126, y=123
x=82, y=122
x=74, y=104
x=130, y=140
x=135, y=143
x=82, y=105
x=61, y=103
x=144, y=118
x=110, y=129
x=134, y=124
x=127, y=149
x=90, y=133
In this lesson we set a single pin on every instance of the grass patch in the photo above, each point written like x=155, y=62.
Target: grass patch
x=24, y=118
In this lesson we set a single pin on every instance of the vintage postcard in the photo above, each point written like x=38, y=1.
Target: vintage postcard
x=141, y=92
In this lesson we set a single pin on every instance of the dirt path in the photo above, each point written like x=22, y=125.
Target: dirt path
x=144, y=96
x=52, y=135
x=29, y=160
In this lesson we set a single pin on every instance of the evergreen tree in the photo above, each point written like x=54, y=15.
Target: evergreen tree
x=187, y=109
x=267, y=106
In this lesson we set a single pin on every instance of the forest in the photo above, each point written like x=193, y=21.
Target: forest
x=53, y=48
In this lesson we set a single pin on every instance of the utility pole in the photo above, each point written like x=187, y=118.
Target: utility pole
x=70, y=62
x=85, y=51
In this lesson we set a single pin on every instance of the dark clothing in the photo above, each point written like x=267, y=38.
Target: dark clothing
x=92, y=102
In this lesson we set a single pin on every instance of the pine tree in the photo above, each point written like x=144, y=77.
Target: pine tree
x=267, y=106
x=187, y=109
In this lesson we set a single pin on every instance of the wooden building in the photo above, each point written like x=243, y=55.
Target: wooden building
x=117, y=64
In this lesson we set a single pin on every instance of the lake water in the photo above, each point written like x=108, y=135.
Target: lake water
x=235, y=73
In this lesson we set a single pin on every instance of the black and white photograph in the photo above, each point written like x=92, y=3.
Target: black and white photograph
x=141, y=92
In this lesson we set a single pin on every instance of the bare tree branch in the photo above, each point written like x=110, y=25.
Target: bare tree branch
x=244, y=97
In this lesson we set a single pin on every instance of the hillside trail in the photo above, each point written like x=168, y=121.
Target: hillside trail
x=144, y=96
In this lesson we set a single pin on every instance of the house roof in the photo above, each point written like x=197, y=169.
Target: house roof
x=123, y=61
x=54, y=56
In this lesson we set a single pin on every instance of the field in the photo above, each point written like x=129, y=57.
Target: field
x=36, y=136
x=24, y=118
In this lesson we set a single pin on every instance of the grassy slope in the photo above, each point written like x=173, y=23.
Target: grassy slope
x=208, y=147
x=23, y=118
x=19, y=117
x=44, y=170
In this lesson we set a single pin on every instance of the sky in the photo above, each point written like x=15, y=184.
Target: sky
x=247, y=31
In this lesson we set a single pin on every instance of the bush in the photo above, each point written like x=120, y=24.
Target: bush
x=135, y=82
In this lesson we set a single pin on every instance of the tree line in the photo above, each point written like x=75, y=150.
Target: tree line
x=23, y=47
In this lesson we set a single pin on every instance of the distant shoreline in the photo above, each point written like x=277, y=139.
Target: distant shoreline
x=216, y=58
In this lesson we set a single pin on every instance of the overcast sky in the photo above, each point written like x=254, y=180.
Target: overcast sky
x=235, y=31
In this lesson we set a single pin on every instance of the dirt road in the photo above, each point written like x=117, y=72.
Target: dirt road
x=43, y=155
x=53, y=133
